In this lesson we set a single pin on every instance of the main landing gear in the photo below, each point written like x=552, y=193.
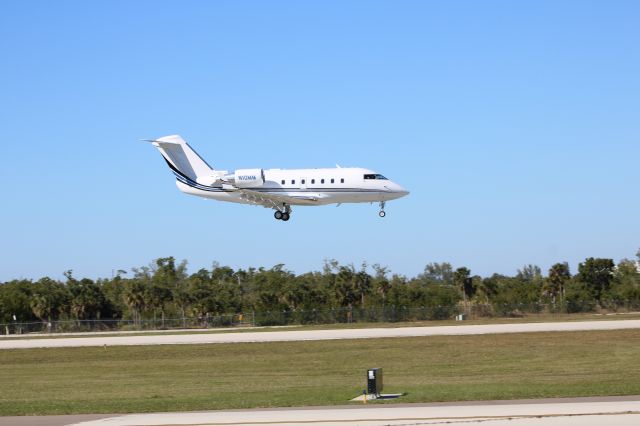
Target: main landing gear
x=283, y=215
x=382, y=213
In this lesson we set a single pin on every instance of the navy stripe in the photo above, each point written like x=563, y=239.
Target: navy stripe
x=283, y=192
x=196, y=185
x=314, y=190
x=188, y=181
x=175, y=170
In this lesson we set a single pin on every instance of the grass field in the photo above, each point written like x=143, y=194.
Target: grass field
x=197, y=377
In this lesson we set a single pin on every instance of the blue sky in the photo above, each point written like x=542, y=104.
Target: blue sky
x=516, y=126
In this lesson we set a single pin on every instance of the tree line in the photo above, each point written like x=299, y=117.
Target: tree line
x=166, y=289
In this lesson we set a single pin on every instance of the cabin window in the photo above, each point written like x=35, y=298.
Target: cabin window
x=375, y=176
x=302, y=181
x=293, y=181
x=321, y=180
x=332, y=180
x=283, y=181
x=313, y=181
x=342, y=180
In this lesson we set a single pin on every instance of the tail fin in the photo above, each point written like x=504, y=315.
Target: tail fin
x=181, y=158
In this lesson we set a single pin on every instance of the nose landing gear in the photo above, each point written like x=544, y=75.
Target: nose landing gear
x=382, y=213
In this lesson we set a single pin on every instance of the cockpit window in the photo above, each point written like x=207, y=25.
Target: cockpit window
x=375, y=176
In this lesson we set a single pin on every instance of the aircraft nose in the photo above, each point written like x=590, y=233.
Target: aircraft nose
x=400, y=190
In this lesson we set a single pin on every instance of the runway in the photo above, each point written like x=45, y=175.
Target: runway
x=302, y=335
x=588, y=411
x=623, y=411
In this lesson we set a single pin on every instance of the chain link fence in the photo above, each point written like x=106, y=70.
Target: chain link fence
x=388, y=314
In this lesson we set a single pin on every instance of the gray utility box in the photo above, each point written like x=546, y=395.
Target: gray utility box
x=374, y=381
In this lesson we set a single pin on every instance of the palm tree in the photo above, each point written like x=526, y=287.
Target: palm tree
x=41, y=306
x=157, y=296
x=134, y=298
x=345, y=290
x=182, y=298
x=362, y=283
x=555, y=284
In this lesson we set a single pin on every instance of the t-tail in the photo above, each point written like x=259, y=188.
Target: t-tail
x=185, y=163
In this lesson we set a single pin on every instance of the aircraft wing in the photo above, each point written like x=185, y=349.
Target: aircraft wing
x=276, y=201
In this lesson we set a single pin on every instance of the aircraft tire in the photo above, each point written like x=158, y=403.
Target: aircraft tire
x=285, y=216
x=278, y=215
x=382, y=213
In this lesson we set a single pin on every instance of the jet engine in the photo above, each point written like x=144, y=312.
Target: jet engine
x=247, y=178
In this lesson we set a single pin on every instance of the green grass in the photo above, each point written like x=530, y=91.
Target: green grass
x=217, y=376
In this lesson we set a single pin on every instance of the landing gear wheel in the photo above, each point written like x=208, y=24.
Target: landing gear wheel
x=382, y=213
x=278, y=215
x=285, y=216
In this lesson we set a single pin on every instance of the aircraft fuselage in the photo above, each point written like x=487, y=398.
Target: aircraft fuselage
x=307, y=187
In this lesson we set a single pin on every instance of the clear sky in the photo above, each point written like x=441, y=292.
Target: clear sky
x=515, y=125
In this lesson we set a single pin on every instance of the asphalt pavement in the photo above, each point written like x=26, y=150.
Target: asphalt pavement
x=620, y=411
x=301, y=335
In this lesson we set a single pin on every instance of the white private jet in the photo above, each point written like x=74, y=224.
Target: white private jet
x=277, y=189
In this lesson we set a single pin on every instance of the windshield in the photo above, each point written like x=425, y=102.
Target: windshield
x=375, y=176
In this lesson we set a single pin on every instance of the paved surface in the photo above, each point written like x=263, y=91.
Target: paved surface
x=617, y=410
x=50, y=420
x=125, y=332
x=292, y=335
x=535, y=413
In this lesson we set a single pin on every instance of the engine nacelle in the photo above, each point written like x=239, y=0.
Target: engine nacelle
x=247, y=178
